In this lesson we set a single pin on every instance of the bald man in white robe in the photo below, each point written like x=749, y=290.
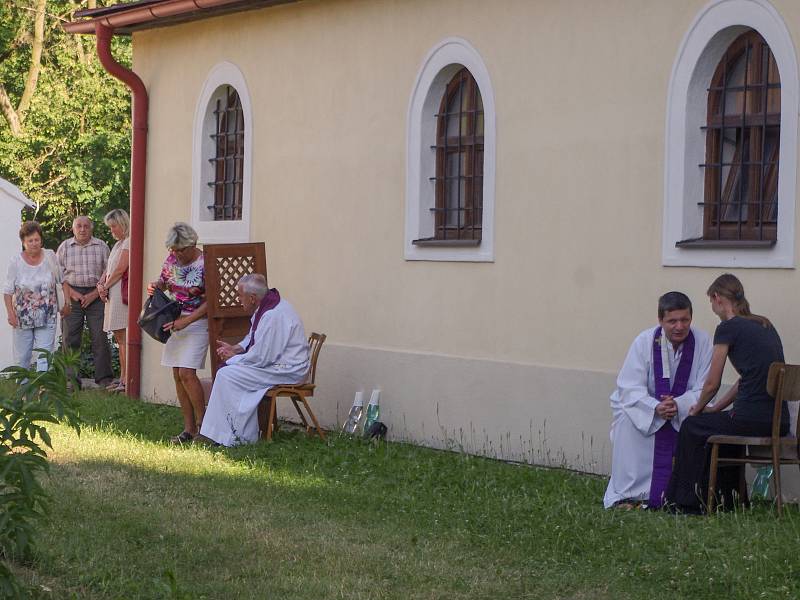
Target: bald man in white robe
x=274, y=352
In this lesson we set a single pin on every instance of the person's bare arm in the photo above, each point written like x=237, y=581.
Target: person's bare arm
x=89, y=297
x=226, y=350
x=72, y=294
x=12, y=315
x=725, y=401
x=116, y=275
x=67, y=308
x=714, y=379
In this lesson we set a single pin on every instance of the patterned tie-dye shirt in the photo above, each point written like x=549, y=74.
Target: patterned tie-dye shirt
x=33, y=288
x=185, y=283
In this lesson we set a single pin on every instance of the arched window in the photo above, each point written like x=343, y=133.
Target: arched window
x=222, y=152
x=742, y=144
x=459, y=161
x=732, y=115
x=228, y=159
x=452, y=139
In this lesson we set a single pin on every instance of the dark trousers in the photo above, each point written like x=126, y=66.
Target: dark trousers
x=92, y=315
x=688, y=486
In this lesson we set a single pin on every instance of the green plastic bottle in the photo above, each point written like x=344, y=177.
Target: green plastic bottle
x=373, y=410
x=761, y=482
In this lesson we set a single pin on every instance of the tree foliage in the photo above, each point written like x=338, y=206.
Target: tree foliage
x=65, y=131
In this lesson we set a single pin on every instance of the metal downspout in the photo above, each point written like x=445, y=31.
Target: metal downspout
x=138, y=171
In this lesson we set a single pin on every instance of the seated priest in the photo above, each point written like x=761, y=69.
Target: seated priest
x=661, y=379
x=275, y=351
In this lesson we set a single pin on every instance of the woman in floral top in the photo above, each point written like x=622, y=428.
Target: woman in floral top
x=183, y=279
x=30, y=296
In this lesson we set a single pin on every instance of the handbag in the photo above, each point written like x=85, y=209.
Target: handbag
x=124, y=288
x=56, y=271
x=156, y=312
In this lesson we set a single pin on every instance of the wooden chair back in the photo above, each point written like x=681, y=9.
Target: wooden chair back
x=315, y=341
x=783, y=384
x=225, y=265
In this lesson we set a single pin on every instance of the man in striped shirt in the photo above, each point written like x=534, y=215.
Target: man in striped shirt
x=83, y=260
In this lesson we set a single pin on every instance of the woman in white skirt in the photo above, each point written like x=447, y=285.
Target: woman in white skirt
x=110, y=289
x=183, y=279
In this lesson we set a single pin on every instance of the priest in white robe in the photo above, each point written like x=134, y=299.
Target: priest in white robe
x=661, y=379
x=275, y=351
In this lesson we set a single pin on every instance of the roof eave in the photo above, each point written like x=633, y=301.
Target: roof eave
x=11, y=191
x=169, y=12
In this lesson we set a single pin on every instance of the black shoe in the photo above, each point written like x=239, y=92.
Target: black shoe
x=183, y=437
x=682, y=509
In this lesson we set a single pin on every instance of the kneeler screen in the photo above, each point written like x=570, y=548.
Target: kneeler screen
x=225, y=264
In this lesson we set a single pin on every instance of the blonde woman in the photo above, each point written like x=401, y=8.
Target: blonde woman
x=183, y=279
x=110, y=289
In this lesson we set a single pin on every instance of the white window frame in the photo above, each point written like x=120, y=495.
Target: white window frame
x=210, y=231
x=441, y=63
x=703, y=46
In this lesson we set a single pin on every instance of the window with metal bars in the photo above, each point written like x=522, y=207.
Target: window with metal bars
x=742, y=145
x=458, y=181
x=228, y=160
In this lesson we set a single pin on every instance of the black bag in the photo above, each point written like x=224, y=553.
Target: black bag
x=156, y=312
x=376, y=431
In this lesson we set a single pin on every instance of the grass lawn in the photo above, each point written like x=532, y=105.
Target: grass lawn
x=133, y=517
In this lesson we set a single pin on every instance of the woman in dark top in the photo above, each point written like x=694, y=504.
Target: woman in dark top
x=752, y=345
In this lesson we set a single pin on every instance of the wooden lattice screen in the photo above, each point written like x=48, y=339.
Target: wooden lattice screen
x=225, y=264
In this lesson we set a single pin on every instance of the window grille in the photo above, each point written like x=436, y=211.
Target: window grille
x=228, y=161
x=742, y=144
x=459, y=163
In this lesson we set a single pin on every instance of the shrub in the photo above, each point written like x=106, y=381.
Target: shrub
x=86, y=358
x=34, y=400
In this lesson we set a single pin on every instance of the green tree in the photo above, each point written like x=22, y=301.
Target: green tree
x=65, y=131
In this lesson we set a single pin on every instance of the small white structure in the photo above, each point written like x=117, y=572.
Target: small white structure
x=12, y=201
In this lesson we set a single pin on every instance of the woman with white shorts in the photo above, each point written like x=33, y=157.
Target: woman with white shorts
x=183, y=279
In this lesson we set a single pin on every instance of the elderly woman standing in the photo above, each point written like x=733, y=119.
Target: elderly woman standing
x=31, y=298
x=110, y=288
x=183, y=278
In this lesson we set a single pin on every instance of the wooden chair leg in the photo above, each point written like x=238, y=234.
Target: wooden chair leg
x=313, y=418
x=776, y=475
x=271, y=421
x=744, y=498
x=712, y=478
x=262, y=417
x=300, y=412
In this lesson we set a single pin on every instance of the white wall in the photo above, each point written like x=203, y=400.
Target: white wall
x=10, y=220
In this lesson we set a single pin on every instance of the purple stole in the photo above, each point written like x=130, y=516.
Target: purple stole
x=268, y=302
x=666, y=438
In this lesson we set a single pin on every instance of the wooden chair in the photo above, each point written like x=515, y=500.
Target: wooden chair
x=783, y=384
x=267, y=418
